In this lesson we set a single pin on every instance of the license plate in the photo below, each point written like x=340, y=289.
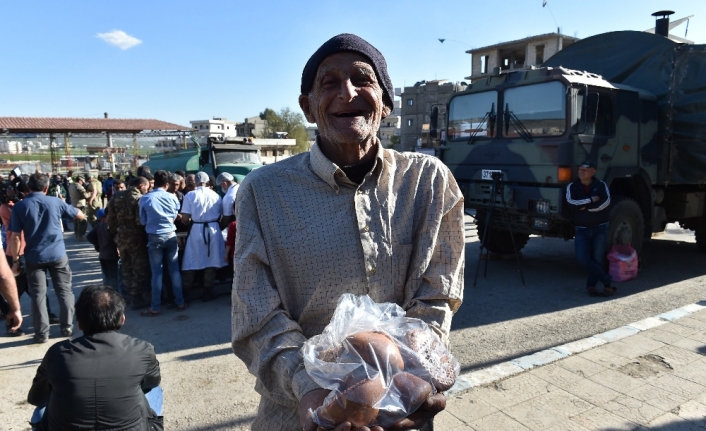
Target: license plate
x=487, y=174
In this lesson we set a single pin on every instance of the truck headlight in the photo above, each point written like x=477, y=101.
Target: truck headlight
x=541, y=206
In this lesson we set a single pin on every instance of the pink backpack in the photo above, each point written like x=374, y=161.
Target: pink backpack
x=623, y=263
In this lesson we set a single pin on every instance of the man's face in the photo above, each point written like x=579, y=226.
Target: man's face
x=143, y=187
x=191, y=182
x=118, y=187
x=225, y=185
x=585, y=174
x=151, y=184
x=346, y=100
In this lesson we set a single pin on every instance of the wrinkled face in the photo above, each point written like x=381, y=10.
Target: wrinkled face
x=585, y=174
x=346, y=99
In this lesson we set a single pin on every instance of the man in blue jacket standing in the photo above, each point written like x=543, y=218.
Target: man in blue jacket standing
x=589, y=198
x=158, y=210
x=39, y=217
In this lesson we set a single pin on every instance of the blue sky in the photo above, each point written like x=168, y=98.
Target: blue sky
x=233, y=59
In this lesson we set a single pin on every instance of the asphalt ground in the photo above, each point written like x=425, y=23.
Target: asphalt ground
x=208, y=388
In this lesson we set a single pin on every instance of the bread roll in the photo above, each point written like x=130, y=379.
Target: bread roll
x=356, y=403
x=377, y=349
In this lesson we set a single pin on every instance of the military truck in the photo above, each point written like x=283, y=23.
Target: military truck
x=634, y=103
x=238, y=156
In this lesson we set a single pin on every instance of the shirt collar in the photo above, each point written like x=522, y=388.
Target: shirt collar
x=329, y=171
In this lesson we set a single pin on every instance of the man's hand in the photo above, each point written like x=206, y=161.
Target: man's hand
x=14, y=320
x=313, y=400
x=424, y=413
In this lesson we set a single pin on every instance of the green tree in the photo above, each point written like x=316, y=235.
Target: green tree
x=289, y=122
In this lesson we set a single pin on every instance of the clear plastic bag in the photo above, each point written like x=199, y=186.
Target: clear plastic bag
x=379, y=365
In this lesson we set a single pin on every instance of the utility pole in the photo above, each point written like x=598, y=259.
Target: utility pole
x=111, y=160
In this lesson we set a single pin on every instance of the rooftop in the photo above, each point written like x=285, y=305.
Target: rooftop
x=84, y=125
x=522, y=42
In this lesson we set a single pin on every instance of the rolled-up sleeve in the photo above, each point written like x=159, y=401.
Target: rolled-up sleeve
x=265, y=336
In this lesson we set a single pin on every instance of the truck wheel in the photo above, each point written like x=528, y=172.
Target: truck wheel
x=626, y=224
x=500, y=241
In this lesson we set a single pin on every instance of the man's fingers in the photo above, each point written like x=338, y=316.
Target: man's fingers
x=435, y=403
x=15, y=320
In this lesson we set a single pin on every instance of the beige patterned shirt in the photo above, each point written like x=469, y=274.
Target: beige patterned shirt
x=307, y=234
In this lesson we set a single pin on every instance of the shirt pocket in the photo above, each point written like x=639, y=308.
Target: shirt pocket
x=401, y=258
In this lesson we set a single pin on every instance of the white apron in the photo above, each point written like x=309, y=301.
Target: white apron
x=205, y=247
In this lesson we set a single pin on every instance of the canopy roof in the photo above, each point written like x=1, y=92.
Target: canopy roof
x=15, y=125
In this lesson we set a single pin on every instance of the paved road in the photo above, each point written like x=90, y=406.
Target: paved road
x=501, y=319
x=207, y=387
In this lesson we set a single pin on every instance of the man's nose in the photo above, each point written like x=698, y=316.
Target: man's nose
x=347, y=91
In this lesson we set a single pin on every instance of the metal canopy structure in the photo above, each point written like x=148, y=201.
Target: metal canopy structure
x=47, y=127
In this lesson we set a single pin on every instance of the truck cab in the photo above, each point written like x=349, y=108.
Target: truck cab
x=532, y=128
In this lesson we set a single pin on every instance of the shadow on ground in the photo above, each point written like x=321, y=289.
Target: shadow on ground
x=555, y=281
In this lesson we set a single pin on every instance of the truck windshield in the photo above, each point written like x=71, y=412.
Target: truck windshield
x=540, y=108
x=237, y=157
x=467, y=114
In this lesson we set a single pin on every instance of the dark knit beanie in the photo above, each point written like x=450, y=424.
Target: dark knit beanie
x=349, y=42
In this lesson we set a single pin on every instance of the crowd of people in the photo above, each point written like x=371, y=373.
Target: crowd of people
x=150, y=230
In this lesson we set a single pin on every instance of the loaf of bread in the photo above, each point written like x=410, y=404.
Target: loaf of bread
x=433, y=357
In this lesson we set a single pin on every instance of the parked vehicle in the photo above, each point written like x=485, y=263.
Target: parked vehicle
x=632, y=102
x=238, y=156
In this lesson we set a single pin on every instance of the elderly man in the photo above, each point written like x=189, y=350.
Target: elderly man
x=102, y=380
x=205, y=246
x=589, y=199
x=347, y=217
x=39, y=217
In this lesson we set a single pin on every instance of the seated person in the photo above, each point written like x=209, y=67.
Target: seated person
x=102, y=380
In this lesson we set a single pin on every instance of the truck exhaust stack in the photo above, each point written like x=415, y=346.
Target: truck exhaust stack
x=662, y=24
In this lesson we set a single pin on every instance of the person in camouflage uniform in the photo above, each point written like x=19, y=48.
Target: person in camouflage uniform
x=78, y=200
x=94, y=202
x=123, y=213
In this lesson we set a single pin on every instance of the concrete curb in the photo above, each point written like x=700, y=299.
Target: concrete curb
x=504, y=370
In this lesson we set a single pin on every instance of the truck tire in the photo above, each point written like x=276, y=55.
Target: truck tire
x=500, y=241
x=626, y=224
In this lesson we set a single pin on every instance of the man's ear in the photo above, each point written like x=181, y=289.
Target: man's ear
x=386, y=111
x=122, y=322
x=306, y=107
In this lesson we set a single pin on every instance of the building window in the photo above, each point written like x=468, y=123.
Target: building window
x=539, y=54
x=484, y=64
x=410, y=102
x=410, y=122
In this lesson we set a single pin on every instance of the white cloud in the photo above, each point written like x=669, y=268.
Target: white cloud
x=120, y=39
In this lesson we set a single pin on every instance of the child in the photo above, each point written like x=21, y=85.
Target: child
x=102, y=240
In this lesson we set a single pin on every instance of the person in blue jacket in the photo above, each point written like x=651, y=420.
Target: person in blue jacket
x=589, y=198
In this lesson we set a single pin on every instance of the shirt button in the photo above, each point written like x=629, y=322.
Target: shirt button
x=366, y=228
x=373, y=271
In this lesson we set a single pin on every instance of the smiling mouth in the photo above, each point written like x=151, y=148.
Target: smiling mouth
x=349, y=114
